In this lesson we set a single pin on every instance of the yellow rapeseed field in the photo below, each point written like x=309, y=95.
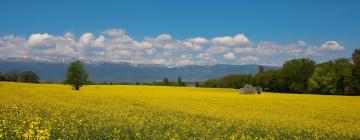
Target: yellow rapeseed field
x=54, y=111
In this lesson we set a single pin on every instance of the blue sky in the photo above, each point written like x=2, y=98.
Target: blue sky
x=270, y=23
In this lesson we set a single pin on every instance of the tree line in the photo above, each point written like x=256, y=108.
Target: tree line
x=340, y=76
x=77, y=76
x=19, y=76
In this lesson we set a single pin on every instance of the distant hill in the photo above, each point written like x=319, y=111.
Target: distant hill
x=125, y=72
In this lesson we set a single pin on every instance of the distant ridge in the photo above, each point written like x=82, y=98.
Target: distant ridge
x=54, y=70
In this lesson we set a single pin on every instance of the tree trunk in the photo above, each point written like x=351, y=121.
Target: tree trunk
x=77, y=87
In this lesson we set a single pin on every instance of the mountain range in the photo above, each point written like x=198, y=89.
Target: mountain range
x=54, y=70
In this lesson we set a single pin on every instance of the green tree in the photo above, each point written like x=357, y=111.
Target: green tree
x=29, y=77
x=260, y=77
x=229, y=81
x=165, y=82
x=331, y=77
x=12, y=75
x=355, y=73
x=2, y=77
x=323, y=80
x=273, y=80
x=296, y=74
x=197, y=84
x=212, y=83
x=76, y=75
x=342, y=69
x=180, y=82
x=261, y=69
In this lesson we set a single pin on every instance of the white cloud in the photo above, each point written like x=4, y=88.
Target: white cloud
x=295, y=48
x=243, y=49
x=163, y=37
x=249, y=59
x=39, y=40
x=229, y=56
x=331, y=46
x=198, y=40
x=85, y=39
x=100, y=41
x=192, y=46
x=327, y=47
x=268, y=48
x=69, y=35
x=116, y=45
x=239, y=39
x=217, y=49
x=12, y=46
x=114, y=32
x=159, y=61
x=226, y=40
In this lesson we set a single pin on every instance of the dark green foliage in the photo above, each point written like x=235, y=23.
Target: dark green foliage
x=296, y=74
x=337, y=76
x=76, y=75
x=355, y=73
x=212, y=83
x=12, y=75
x=229, y=81
x=197, y=84
x=29, y=77
x=165, y=82
x=261, y=69
x=331, y=77
x=273, y=81
x=2, y=77
x=180, y=82
x=259, y=89
x=260, y=76
x=18, y=76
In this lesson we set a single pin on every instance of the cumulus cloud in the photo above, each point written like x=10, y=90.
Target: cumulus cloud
x=117, y=46
x=327, y=47
x=85, y=39
x=163, y=37
x=229, y=56
x=239, y=39
x=243, y=49
x=217, y=49
x=12, y=46
x=192, y=46
x=249, y=59
x=331, y=46
x=114, y=32
x=100, y=41
x=198, y=40
x=39, y=40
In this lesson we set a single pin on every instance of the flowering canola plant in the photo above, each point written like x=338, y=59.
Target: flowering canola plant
x=54, y=111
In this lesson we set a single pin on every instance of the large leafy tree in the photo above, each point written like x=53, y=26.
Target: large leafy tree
x=273, y=80
x=12, y=75
x=296, y=74
x=342, y=68
x=76, y=75
x=165, y=82
x=331, y=77
x=260, y=77
x=180, y=82
x=355, y=73
x=29, y=77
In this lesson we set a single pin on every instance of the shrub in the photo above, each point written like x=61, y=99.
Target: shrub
x=248, y=89
x=259, y=89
